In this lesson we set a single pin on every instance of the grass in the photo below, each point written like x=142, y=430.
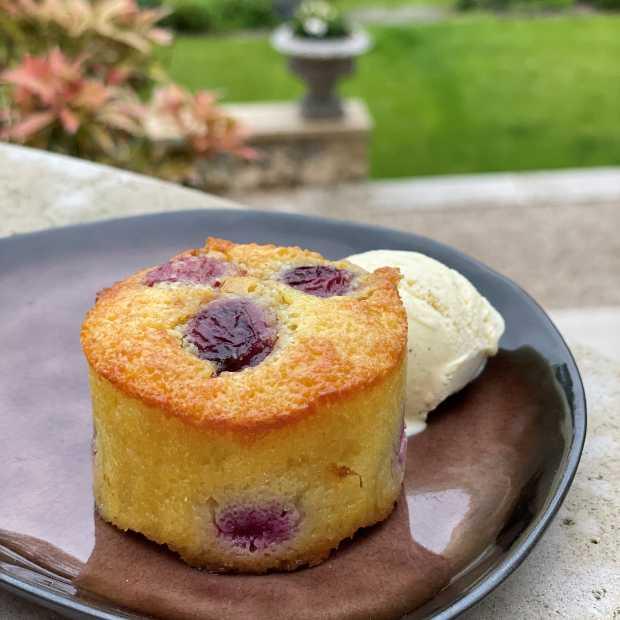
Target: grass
x=469, y=95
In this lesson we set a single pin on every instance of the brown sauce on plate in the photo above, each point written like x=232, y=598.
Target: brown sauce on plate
x=471, y=483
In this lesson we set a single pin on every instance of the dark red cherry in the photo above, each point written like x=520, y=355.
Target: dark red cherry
x=192, y=269
x=233, y=333
x=319, y=280
x=256, y=527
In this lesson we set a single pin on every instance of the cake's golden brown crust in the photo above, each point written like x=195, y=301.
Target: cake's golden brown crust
x=272, y=465
x=132, y=339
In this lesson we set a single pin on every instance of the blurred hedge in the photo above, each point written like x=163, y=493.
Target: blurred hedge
x=612, y=5
x=534, y=5
x=524, y=5
x=216, y=15
x=213, y=16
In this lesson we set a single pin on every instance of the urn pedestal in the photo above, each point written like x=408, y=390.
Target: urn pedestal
x=321, y=63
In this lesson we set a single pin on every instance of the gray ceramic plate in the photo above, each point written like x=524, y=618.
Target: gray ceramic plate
x=456, y=534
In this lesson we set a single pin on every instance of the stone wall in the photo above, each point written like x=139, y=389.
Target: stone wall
x=295, y=151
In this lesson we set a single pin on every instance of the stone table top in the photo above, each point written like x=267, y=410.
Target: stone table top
x=39, y=191
x=574, y=572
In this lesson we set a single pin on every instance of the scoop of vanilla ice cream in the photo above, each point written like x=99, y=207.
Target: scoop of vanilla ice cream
x=452, y=328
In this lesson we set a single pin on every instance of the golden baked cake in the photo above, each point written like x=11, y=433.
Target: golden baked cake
x=248, y=403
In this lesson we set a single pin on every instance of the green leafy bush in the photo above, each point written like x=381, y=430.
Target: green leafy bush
x=610, y=5
x=190, y=16
x=519, y=5
x=242, y=14
x=217, y=15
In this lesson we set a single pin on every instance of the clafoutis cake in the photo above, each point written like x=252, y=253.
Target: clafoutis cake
x=248, y=403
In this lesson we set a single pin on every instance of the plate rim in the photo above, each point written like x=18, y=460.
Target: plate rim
x=521, y=546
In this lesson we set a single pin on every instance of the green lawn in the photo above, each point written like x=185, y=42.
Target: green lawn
x=469, y=95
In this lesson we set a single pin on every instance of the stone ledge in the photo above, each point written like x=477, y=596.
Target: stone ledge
x=293, y=150
x=269, y=120
x=509, y=190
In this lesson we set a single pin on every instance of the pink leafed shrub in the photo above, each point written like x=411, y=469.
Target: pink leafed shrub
x=189, y=126
x=80, y=78
x=115, y=33
x=53, y=102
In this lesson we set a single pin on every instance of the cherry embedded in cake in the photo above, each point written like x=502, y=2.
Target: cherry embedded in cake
x=190, y=269
x=319, y=280
x=232, y=333
x=254, y=528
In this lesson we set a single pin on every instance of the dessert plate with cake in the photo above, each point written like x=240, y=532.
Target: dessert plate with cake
x=294, y=418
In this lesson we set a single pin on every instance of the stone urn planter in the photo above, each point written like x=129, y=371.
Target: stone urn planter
x=320, y=63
